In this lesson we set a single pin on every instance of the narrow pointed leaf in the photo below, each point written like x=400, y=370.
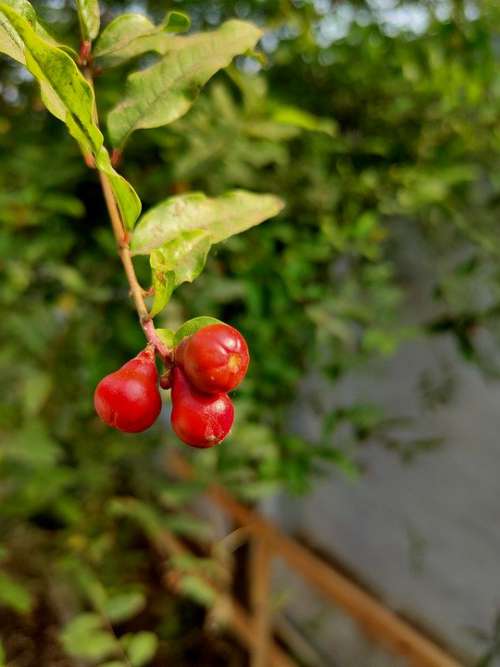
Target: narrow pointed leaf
x=90, y=18
x=223, y=216
x=140, y=647
x=67, y=95
x=166, y=336
x=121, y=607
x=163, y=286
x=10, y=42
x=131, y=35
x=165, y=91
x=178, y=261
x=185, y=255
x=127, y=198
x=84, y=637
x=197, y=589
x=65, y=92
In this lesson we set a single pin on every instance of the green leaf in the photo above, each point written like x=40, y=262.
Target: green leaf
x=178, y=494
x=140, y=647
x=166, y=90
x=90, y=18
x=85, y=638
x=178, y=261
x=122, y=607
x=197, y=589
x=166, y=336
x=192, y=326
x=185, y=256
x=36, y=389
x=126, y=197
x=3, y=656
x=64, y=90
x=14, y=595
x=113, y=663
x=67, y=95
x=223, y=216
x=188, y=526
x=288, y=115
x=32, y=446
x=163, y=286
x=151, y=522
x=131, y=35
x=10, y=43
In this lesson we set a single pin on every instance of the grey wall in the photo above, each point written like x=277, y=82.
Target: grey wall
x=424, y=535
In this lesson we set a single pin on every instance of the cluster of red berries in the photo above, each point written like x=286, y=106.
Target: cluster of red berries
x=207, y=365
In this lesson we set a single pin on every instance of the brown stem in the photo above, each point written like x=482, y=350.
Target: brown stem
x=123, y=248
x=122, y=241
x=136, y=290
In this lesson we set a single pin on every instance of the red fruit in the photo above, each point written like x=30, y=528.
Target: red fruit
x=128, y=399
x=200, y=420
x=215, y=359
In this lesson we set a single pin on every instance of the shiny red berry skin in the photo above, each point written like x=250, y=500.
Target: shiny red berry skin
x=200, y=420
x=128, y=399
x=215, y=359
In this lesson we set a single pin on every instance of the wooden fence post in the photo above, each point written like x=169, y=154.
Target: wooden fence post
x=260, y=592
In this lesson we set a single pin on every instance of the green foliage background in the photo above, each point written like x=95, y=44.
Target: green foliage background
x=366, y=130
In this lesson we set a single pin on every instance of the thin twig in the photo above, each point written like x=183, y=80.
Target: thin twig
x=124, y=249
x=122, y=241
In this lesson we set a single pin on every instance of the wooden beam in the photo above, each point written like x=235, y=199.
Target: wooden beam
x=260, y=593
x=239, y=622
x=378, y=621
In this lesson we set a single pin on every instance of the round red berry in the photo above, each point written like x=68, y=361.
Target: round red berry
x=128, y=399
x=215, y=359
x=200, y=420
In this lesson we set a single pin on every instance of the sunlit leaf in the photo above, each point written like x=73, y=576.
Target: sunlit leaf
x=223, y=216
x=163, y=283
x=130, y=35
x=166, y=90
x=67, y=95
x=10, y=43
x=90, y=18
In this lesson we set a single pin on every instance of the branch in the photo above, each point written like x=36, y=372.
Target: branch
x=122, y=241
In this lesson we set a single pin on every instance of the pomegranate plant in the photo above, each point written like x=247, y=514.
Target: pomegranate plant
x=204, y=359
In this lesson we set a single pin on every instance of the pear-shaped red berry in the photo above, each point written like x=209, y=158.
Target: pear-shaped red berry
x=215, y=359
x=128, y=399
x=200, y=420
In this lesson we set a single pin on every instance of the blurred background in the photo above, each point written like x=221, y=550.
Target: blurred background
x=368, y=425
